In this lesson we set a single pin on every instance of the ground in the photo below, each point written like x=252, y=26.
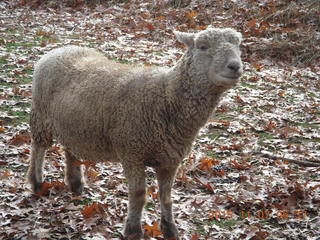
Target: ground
x=248, y=175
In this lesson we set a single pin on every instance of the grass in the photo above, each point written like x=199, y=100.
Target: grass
x=11, y=46
x=19, y=116
x=306, y=125
x=223, y=223
x=214, y=135
x=149, y=206
x=247, y=85
x=3, y=61
x=83, y=201
x=265, y=135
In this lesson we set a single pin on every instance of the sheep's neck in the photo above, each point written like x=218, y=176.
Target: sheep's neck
x=194, y=100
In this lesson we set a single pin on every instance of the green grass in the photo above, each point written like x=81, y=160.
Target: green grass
x=7, y=84
x=19, y=116
x=84, y=201
x=3, y=61
x=22, y=116
x=25, y=80
x=214, y=135
x=306, y=125
x=223, y=223
x=238, y=109
x=212, y=154
x=11, y=46
x=300, y=140
x=311, y=94
x=247, y=85
x=265, y=135
x=149, y=206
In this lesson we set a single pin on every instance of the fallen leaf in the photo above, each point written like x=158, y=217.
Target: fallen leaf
x=46, y=186
x=18, y=140
x=93, y=209
x=239, y=166
x=152, y=230
x=207, y=163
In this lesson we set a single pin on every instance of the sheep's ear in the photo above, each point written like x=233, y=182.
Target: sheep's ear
x=239, y=36
x=186, y=38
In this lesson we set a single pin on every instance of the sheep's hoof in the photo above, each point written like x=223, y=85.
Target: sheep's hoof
x=169, y=230
x=76, y=187
x=133, y=232
x=36, y=187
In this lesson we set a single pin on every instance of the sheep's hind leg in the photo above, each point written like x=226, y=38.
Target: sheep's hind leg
x=74, y=173
x=165, y=177
x=136, y=180
x=35, y=171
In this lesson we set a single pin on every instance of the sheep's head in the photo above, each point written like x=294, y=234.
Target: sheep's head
x=216, y=54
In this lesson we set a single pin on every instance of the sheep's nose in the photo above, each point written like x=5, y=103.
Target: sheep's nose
x=234, y=66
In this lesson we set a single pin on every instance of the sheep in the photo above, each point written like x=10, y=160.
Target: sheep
x=140, y=116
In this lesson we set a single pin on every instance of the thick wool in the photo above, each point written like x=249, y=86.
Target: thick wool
x=100, y=110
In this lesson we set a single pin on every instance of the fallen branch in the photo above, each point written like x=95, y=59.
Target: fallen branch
x=304, y=163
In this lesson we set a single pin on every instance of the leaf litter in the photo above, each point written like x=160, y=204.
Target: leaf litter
x=237, y=182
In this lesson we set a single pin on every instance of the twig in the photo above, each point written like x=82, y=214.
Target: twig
x=304, y=163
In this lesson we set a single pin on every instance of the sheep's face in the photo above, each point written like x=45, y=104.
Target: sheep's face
x=215, y=53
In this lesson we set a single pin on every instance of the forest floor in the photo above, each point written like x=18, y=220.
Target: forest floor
x=247, y=176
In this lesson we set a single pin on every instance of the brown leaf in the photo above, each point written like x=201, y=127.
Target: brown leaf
x=93, y=209
x=205, y=184
x=26, y=151
x=153, y=192
x=222, y=122
x=239, y=166
x=195, y=237
x=231, y=147
x=17, y=72
x=314, y=187
x=261, y=235
x=150, y=26
x=271, y=126
x=207, y=163
x=153, y=230
x=92, y=174
x=252, y=23
x=19, y=140
x=219, y=173
x=46, y=186
x=43, y=33
x=21, y=61
x=161, y=18
x=281, y=94
x=5, y=174
x=86, y=163
x=192, y=14
x=2, y=163
x=2, y=129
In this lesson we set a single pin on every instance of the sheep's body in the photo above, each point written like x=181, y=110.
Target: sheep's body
x=146, y=108
x=100, y=110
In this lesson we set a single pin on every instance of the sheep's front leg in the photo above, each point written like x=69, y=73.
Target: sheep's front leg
x=166, y=178
x=35, y=171
x=74, y=173
x=137, y=191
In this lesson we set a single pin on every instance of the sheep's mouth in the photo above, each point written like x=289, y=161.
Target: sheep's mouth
x=232, y=78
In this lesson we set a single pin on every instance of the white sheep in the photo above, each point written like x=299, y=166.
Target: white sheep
x=100, y=110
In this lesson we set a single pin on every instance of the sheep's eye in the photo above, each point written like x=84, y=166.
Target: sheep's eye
x=203, y=47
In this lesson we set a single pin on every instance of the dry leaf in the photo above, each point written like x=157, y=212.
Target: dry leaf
x=153, y=230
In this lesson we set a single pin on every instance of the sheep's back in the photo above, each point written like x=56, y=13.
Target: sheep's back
x=100, y=109
x=72, y=88
x=84, y=97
